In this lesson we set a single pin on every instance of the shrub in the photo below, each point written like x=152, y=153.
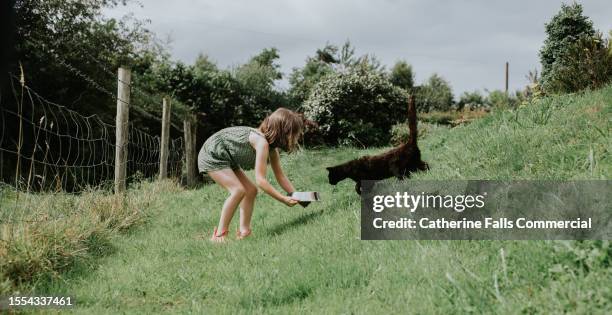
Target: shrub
x=302, y=80
x=501, y=100
x=587, y=63
x=438, y=117
x=472, y=100
x=358, y=106
x=435, y=94
x=400, y=132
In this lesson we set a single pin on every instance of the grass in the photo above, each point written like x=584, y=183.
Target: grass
x=451, y=117
x=43, y=235
x=311, y=260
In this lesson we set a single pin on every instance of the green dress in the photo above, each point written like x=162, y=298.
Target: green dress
x=228, y=148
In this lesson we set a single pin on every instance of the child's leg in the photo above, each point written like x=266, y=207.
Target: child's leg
x=228, y=180
x=248, y=202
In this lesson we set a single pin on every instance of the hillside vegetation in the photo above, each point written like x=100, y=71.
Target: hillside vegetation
x=312, y=260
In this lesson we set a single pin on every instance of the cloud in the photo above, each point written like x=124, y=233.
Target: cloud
x=467, y=42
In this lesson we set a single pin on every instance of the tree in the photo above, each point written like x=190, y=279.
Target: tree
x=268, y=58
x=258, y=75
x=435, y=94
x=328, y=60
x=402, y=76
x=69, y=53
x=60, y=42
x=327, y=54
x=204, y=64
x=257, y=78
x=610, y=40
x=472, y=100
x=566, y=27
x=215, y=93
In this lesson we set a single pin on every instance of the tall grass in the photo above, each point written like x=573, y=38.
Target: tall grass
x=42, y=235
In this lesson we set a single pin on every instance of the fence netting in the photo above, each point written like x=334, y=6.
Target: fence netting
x=45, y=146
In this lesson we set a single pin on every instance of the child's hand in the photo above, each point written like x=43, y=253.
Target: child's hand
x=290, y=201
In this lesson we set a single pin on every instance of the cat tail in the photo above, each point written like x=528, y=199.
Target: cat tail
x=412, y=121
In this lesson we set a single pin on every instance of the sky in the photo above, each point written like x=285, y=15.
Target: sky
x=466, y=42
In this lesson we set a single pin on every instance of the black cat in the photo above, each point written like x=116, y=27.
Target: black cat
x=399, y=161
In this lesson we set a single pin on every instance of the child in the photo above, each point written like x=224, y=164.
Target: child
x=230, y=151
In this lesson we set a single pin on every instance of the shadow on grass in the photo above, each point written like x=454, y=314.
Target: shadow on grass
x=279, y=298
x=301, y=220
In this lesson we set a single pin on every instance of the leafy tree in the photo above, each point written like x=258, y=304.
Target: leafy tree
x=69, y=53
x=358, y=107
x=257, y=78
x=566, y=27
x=402, y=76
x=60, y=43
x=435, y=94
x=204, y=64
x=268, y=58
x=216, y=94
x=302, y=80
x=327, y=55
x=328, y=60
x=610, y=40
x=472, y=100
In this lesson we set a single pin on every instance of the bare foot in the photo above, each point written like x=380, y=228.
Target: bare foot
x=243, y=234
x=218, y=238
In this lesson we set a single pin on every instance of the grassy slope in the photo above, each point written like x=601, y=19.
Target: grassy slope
x=312, y=259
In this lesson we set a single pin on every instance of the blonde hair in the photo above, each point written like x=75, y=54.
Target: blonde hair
x=282, y=129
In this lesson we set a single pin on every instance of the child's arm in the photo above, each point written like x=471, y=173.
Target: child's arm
x=261, y=149
x=282, y=180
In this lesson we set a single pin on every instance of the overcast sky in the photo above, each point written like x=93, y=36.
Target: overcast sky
x=467, y=42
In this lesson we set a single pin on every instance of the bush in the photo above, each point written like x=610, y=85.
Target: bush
x=501, y=100
x=435, y=94
x=587, y=63
x=356, y=107
x=400, y=132
x=472, y=100
x=302, y=80
x=440, y=118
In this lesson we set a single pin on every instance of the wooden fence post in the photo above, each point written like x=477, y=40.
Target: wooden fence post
x=121, y=125
x=190, y=128
x=165, y=139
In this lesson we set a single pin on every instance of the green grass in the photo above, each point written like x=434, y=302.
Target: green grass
x=312, y=260
x=43, y=235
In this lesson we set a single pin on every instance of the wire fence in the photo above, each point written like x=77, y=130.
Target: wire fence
x=53, y=158
x=45, y=146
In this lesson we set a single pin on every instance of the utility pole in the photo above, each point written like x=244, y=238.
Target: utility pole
x=507, y=66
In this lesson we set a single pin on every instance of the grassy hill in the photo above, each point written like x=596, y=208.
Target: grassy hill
x=312, y=260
